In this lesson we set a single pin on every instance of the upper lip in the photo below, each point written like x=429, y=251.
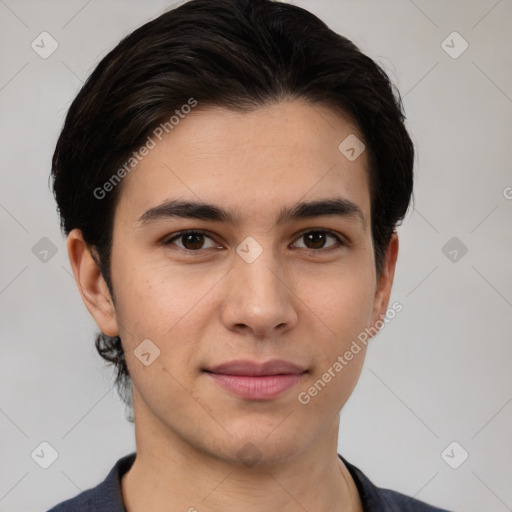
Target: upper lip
x=255, y=368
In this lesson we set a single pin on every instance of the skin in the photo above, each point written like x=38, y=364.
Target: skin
x=298, y=301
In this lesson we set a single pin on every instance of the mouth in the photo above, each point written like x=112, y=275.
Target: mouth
x=253, y=380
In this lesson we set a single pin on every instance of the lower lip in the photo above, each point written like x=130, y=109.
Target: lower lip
x=256, y=388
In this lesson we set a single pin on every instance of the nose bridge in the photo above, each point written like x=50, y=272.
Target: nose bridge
x=258, y=296
x=263, y=275
x=257, y=268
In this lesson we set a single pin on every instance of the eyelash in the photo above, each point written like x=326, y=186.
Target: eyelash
x=169, y=241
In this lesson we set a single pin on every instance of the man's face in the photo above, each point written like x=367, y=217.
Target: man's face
x=253, y=289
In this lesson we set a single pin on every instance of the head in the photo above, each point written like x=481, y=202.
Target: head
x=245, y=108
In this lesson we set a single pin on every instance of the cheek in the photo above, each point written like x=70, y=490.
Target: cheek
x=161, y=306
x=339, y=349
x=342, y=306
x=342, y=301
x=154, y=299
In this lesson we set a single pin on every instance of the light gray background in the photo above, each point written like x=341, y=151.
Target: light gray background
x=439, y=372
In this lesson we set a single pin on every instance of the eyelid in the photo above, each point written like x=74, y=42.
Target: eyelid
x=339, y=238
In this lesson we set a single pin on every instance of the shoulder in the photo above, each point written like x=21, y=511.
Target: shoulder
x=377, y=499
x=397, y=501
x=105, y=497
x=80, y=503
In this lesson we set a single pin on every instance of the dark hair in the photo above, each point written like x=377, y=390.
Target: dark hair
x=238, y=54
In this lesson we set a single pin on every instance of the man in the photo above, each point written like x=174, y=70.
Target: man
x=229, y=179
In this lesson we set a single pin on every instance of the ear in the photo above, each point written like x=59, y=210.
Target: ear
x=385, y=281
x=91, y=285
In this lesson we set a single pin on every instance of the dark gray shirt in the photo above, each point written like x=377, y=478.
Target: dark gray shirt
x=107, y=497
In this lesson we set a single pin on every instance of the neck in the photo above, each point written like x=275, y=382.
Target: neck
x=169, y=472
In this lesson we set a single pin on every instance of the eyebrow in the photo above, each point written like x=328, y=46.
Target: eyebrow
x=339, y=207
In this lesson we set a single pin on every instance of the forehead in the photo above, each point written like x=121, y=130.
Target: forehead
x=253, y=163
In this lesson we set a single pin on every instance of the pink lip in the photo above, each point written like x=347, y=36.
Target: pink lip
x=256, y=381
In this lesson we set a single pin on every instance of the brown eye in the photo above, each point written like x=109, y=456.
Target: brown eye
x=316, y=239
x=190, y=240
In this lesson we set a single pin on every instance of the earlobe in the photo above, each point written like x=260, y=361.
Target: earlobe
x=91, y=284
x=385, y=280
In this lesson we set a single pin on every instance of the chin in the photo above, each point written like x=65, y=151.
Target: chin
x=263, y=448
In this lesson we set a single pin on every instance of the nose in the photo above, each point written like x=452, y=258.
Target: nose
x=258, y=297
